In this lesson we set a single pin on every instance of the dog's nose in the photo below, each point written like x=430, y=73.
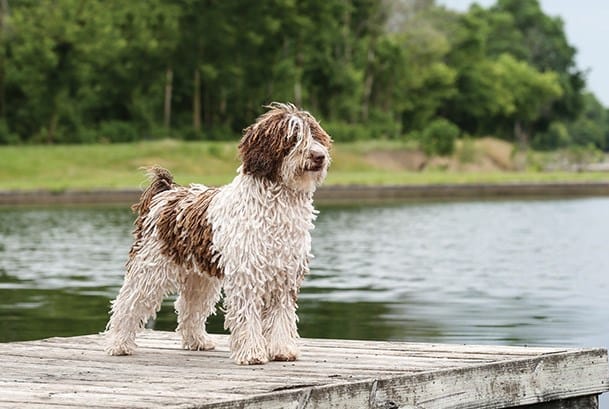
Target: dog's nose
x=318, y=157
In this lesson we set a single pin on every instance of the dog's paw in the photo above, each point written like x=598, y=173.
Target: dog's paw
x=284, y=353
x=255, y=356
x=285, y=357
x=260, y=360
x=199, y=344
x=119, y=350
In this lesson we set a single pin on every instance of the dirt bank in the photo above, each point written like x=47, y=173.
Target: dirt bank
x=481, y=155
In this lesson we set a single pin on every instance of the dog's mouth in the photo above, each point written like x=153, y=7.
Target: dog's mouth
x=314, y=168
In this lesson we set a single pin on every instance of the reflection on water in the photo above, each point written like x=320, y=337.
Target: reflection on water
x=513, y=272
x=58, y=268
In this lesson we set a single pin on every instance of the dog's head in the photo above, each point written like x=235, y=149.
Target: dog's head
x=288, y=146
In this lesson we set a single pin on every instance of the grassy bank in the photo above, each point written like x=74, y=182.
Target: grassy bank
x=214, y=163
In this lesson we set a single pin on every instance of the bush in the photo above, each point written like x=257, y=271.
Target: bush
x=6, y=136
x=439, y=137
x=83, y=136
x=117, y=131
x=157, y=132
x=216, y=133
x=345, y=132
x=557, y=136
x=221, y=133
x=191, y=134
x=579, y=155
x=349, y=132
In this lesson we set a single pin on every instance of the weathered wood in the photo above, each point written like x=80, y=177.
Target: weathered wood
x=75, y=372
x=584, y=402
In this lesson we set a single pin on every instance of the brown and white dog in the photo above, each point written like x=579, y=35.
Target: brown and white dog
x=251, y=237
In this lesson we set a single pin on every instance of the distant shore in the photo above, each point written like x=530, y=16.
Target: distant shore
x=337, y=194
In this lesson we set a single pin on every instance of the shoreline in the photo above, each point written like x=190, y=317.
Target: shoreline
x=337, y=194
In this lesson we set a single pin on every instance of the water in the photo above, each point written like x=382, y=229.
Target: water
x=517, y=272
x=494, y=272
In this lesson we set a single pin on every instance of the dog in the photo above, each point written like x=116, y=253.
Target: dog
x=250, y=237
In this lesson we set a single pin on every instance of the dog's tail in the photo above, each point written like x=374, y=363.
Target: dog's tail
x=160, y=181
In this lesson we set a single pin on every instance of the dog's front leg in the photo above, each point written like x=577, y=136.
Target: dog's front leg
x=279, y=327
x=243, y=319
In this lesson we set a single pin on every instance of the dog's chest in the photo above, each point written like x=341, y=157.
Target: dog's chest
x=270, y=233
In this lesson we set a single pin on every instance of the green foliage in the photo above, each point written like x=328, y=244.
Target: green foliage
x=6, y=136
x=346, y=132
x=582, y=154
x=199, y=70
x=379, y=126
x=117, y=131
x=516, y=71
x=439, y=137
x=557, y=136
x=592, y=125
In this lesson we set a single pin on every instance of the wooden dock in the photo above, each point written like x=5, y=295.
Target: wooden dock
x=76, y=373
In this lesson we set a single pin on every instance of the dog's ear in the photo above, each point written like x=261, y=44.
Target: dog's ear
x=264, y=145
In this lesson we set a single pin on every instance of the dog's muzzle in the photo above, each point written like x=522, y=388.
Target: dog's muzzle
x=316, y=162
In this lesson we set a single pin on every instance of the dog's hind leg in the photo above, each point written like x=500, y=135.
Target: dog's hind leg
x=139, y=299
x=199, y=294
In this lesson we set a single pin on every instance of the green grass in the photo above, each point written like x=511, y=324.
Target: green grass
x=117, y=166
x=112, y=166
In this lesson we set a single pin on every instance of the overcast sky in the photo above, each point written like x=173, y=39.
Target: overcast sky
x=587, y=29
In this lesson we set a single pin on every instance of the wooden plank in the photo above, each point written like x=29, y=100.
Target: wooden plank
x=75, y=372
x=584, y=402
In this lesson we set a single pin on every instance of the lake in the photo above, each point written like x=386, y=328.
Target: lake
x=518, y=272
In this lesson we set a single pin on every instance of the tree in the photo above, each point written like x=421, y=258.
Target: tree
x=532, y=92
x=73, y=65
x=108, y=70
x=508, y=84
x=591, y=128
x=4, y=33
x=413, y=79
x=545, y=47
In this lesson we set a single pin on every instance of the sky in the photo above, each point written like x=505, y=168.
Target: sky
x=587, y=30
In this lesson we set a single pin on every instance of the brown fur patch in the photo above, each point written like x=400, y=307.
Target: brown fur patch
x=160, y=181
x=266, y=143
x=185, y=233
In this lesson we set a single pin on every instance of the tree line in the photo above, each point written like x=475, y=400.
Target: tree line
x=85, y=71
